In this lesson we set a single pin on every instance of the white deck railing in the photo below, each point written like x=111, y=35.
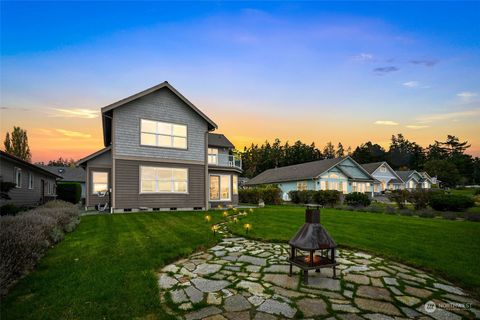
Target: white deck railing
x=225, y=160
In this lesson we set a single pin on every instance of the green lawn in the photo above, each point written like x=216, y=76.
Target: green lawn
x=447, y=248
x=106, y=268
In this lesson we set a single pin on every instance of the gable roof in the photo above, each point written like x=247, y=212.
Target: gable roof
x=107, y=110
x=12, y=158
x=93, y=155
x=219, y=140
x=73, y=174
x=303, y=171
x=373, y=166
x=407, y=174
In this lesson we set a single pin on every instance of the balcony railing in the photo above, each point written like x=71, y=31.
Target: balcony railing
x=224, y=160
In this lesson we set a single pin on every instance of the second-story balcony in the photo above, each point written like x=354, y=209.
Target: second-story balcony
x=225, y=160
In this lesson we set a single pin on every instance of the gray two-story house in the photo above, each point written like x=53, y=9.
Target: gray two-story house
x=160, y=154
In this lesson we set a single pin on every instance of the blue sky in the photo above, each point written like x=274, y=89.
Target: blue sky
x=348, y=72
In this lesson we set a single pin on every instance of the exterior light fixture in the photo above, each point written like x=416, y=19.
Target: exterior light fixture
x=208, y=218
x=214, y=229
x=247, y=227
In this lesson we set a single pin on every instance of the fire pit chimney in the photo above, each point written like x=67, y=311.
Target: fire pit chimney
x=312, y=247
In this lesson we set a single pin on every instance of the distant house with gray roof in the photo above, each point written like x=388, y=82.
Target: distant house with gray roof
x=342, y=174
x=69, y=174
x=415, y=180
x=386, y=178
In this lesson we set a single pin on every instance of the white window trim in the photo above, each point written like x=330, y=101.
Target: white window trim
x=213, y=155
x=172, y=136
x=92, y=185
x=220, y=188
x=156, y=181
x=31, y=181
x=18, y=184
x=234, y=184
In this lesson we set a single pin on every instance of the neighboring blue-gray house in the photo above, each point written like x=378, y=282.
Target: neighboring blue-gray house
x=415, y=180
x=342, y=174
x=386, y=178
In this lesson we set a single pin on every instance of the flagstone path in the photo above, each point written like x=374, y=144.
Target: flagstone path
x=246, y=279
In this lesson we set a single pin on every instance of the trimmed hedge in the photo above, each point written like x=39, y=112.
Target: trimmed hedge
x=269, y=195
x=69, y=191
x=26, y=237
x=451, y=202
x=357, y=199
x=322, y=197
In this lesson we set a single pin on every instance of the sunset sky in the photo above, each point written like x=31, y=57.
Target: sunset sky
x=321, y=72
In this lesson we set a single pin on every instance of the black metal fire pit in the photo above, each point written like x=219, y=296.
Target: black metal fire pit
x=312, y=247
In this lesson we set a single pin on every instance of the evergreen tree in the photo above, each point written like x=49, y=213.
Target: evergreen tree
x=340, y=150
x=16, y=144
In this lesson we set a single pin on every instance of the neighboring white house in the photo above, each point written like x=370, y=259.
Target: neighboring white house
x=415, y=180
x=342, y=174
x=386, y=178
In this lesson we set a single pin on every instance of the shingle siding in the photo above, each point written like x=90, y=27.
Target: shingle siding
x=162, y=105
x=127, y=183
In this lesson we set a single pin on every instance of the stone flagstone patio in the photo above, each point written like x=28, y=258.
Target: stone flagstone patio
x=246, y=279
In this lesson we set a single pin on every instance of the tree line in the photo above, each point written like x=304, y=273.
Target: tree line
x=446, y=160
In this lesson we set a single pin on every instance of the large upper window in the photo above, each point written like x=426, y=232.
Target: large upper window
x=99, y=182
x=220, y=187
x=163, y=134
x=18, y=177
x=213, y=156
x=163, y=180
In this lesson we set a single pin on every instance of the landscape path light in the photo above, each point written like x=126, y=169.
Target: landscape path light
x=247, y=227
x=208, y=218
x=214, y=229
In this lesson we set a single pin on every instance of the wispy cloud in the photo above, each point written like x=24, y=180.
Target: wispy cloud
x=363, y=57
x=416, y=126
x=425, y=62
x=385, y=70
x=12, y=108
x=386, y=123
x=75, y=113
x=467, y=96
x=452, y=116
x=73, y=134
x=414, y=84
x=411, y=84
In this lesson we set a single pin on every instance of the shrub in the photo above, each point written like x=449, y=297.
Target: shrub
x=270, y=195
x=476, y=191
x=449, y=215
x=374, y=209
x=322, y=197
x=390, y=210
x=357, y=199
x=69, y=191
x=451, y=202
x=419, y=199
x=406, y=212
x=251, y=195
x=10, y=209
x=472, y=216
x=425, y=213
x=399, y=197
x=26, y=237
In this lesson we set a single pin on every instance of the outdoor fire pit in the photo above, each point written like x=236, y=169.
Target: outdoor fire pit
x=312, y=247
